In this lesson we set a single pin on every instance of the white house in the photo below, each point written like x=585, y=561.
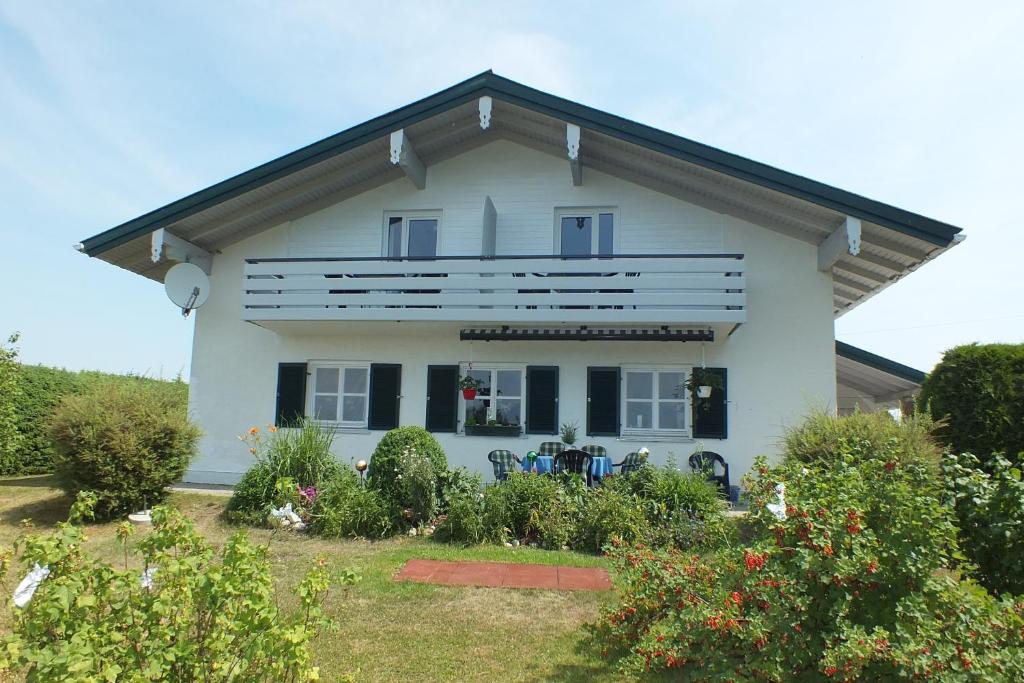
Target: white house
x=578, y=264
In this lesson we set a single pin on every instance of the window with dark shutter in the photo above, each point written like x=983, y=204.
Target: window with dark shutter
x=385, y=391
x=541, y=399
x=442, y=397
x=710, y=417
x=291, y=394
x=603, y=401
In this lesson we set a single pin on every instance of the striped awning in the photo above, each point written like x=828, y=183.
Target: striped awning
x=584, y=333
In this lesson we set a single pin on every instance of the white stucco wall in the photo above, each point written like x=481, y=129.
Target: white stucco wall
x=781, y=363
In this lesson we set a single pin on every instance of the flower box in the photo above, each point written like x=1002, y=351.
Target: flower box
x=493, y=430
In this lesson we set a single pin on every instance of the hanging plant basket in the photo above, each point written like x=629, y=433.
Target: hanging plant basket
x=704, y=391
x=469, y=386
x=469, y=394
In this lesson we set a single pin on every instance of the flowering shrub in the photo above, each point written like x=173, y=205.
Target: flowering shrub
x=193, y=615
x=398, y=449
x=847, y=586
x=292, y=465
x=990, y=509
x=346, y=508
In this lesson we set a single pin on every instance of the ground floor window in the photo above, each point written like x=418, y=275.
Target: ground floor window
x=339, y=393
x=499, y=398
x=655, y=401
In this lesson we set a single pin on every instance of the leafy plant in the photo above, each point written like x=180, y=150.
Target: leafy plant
x=568, y=432
x=463, y=522
x=977, y=393
x=457, y=483
x=610, y=514
x=124, y=443
x=194, y=614
x=469, y=382
x=347, y=509
x=287, y=460
x=990, y=511
x=388, y=461
x=10, y=396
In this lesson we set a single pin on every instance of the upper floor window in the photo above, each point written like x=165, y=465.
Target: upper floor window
x=339, y=393
x=411, y=234
x=585, y=232
x=655, y=400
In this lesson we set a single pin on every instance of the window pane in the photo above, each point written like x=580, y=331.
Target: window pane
x=484, y=377
x=639, y=385
x=394, y=237
x=510, y=383
x=353, y=409
x=638, y=415
x=325, y=408
x=672, y=415
x=327, y=380
x=605, y=234
x=476, y=412
x=576, y=235
x=671, y=385
x=355, y=380
x=508, y=411
x=423, y=237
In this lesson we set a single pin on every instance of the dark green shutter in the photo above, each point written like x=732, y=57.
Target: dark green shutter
x=603, y=401
x=385, y=395
x=291, y=394
x=710, y=416
x=541, y=399
x=442, y=398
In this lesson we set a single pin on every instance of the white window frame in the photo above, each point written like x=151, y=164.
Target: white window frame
x=406, y=216
x=654, y=400
x=595, y=227
x=311, y=392
x=492, y=407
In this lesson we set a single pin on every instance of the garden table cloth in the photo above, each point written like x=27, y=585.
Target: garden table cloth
x=600, y=467
x=543, y=464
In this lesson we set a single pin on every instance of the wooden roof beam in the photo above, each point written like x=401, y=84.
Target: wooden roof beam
x=404, y=156
x=165, y=246
x=844, y=240
x=572, y=141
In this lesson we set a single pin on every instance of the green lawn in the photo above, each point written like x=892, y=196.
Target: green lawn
x=388, y=631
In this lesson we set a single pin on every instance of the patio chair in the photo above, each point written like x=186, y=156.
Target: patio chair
x=575, y=461
x=595, y=451
x=705, y=461
x=550, y=448
x=503, y=462
x=631, y=463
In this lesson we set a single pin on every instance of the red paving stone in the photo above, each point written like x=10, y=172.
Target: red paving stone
x=505, y=575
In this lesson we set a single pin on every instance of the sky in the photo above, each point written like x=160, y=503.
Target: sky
x=111, y=109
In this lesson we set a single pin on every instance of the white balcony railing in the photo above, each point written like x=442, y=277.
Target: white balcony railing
x=665, y=289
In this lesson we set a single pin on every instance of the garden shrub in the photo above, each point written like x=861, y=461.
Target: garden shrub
x=204, y=615
x=846, y=586
x=516, y=507
x=292, y=459
x=464, y=521
x=609, y=514
x=990, y=510
x=10, y=397
x=345, y=508
x=123, y=442
x=457, y=483
x=386, y=471
x=977, y=391
x=824, y=437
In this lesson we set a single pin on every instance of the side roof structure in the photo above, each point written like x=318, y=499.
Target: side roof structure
x=892, y=241
x=874, y=375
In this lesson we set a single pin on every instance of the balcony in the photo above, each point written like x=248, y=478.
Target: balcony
x=629, y=289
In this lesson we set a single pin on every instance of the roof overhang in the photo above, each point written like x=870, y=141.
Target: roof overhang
x=587, y=333
x=882, y=379
x=890, y=242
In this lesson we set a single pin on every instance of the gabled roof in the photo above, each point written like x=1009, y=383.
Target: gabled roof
x=875, y=375
x=895, y=241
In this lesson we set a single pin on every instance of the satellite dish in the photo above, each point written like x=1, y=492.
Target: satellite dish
x=187, y=286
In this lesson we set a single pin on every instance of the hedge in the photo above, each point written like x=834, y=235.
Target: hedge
x=42, y=388
x=977, y=390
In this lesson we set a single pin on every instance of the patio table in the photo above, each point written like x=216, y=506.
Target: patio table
x=600, y=467
x=543, y=464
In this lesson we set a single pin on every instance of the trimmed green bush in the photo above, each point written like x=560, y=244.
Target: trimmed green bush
x=347, y=509
x=390, y=460
x=977, y=392
x=824, y=437
x=298, y=458
x=990, y=510
x=124, y=442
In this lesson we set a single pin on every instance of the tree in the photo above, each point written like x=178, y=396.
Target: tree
x=10, y=393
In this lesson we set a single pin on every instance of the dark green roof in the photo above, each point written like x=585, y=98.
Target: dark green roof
x=488, y=83
x=879, y=363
